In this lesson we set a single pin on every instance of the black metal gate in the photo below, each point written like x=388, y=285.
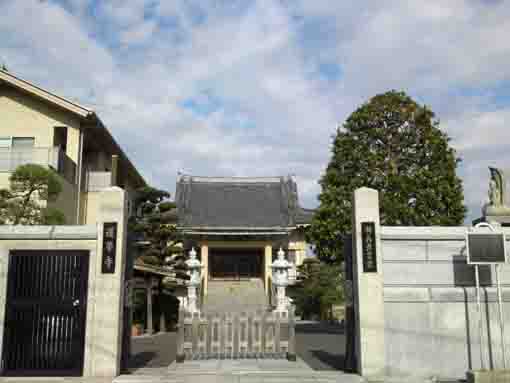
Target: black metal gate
x=45, y=313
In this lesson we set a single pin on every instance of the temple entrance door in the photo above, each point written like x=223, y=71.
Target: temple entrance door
x=235, y=264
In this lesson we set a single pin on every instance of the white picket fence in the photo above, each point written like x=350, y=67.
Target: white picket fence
x=236, y=336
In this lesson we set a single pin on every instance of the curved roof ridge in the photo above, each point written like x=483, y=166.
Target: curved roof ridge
x=237, y=179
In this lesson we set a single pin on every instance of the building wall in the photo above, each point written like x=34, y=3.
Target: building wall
x=90, y=206
x=4, y=180
x=431, y=318
x=25, y=116
x=66, y=201
x=298, y=244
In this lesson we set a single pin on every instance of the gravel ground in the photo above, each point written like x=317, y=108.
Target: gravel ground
x=321, y=346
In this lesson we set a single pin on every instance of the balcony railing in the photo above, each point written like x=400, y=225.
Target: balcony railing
x=52, y=157
x=96, y=181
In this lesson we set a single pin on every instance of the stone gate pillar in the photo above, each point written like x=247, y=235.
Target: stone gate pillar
x=105, y=308
x=368, y=283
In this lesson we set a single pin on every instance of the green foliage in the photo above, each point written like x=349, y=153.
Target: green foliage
x=395, y=146
x=319, y=288
x=158, y=230
x=51, y=216
x=31, y=188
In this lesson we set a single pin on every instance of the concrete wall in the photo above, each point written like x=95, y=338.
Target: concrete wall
x=431, y=319
x=105, y=291
x=429, y=316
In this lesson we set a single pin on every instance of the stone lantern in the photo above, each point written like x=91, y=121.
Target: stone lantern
x=281, y=279
x=194, y=271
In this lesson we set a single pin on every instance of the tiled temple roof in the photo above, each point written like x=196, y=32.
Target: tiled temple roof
x=223, y=203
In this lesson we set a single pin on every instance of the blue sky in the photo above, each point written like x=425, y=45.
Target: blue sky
x=227, y=87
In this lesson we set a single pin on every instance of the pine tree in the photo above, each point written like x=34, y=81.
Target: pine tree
x=393, y=145
x=156, y=226
x=32, y=188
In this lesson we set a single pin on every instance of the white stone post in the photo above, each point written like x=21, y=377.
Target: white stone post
x=105, y=308
x=194, y=268
x=281, y=280
x=368, y=284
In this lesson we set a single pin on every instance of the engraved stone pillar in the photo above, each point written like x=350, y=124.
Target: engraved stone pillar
x=368, y=284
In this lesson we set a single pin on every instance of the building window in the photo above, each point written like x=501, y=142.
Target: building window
x=60, y=137
x=5, y=142
x=5, y=158
x=23, y=142
x=15, y=151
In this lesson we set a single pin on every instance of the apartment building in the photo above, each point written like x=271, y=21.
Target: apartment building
x=40, y=127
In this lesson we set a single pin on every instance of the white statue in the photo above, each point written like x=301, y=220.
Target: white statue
x=497, y=195
x=194, y=271
x=496, y=187
x=281, y=279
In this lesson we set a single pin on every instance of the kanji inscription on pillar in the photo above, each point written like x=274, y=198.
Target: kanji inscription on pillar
x=109, y=247
x=369, y=247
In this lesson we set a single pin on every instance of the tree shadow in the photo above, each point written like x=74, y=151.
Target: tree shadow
x=319, y=328
x=335, y=361
x=141, y=359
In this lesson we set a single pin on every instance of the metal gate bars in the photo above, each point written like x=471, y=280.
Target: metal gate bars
x=236, y=336
x=45, y=313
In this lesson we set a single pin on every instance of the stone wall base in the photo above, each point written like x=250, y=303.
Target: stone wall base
x=488, y=376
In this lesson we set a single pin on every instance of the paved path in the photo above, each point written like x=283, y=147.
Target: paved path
x=158, y=350
x=237, y=371
x=319, y=345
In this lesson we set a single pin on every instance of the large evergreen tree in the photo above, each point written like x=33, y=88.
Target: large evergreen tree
x=394, y=145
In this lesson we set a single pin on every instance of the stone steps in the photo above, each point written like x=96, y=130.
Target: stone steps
x=235, y=296
x=245, y=377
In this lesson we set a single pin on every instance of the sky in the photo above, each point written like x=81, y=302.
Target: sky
x=258, y=88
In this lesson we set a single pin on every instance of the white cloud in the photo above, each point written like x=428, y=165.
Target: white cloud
x=138, y=34
x=479, y=130
x=256, y=65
